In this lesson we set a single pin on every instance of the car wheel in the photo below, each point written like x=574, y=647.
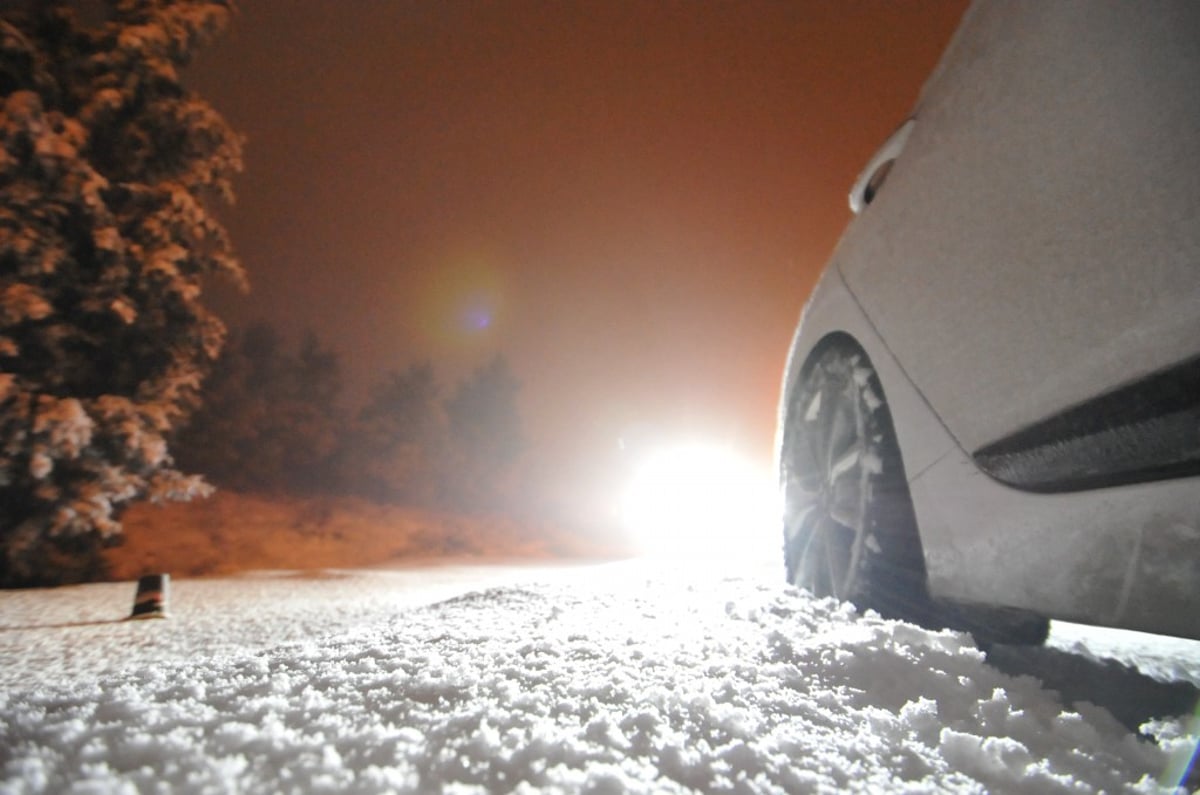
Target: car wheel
x=849, y=527
x=849, y=531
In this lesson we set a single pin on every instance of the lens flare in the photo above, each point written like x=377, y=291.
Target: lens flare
x=477, y=315
x=1181, y=765
x=460, y=304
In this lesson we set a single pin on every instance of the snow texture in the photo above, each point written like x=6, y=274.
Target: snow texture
x=609, y=679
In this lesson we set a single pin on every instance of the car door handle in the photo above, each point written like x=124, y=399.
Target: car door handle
x=867, y=186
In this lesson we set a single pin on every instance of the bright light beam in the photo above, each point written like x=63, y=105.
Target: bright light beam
x=701, y=501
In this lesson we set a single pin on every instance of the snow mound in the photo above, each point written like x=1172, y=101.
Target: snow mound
x=646, y=684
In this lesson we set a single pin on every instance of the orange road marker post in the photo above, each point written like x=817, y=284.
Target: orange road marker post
x=151, y=598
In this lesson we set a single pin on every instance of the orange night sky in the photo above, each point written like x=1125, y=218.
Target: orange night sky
x=630, y=199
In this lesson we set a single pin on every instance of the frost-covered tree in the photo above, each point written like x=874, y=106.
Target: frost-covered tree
x=106, y=164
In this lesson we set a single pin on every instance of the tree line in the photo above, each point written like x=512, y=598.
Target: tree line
x=112, y=382
x=272, y=422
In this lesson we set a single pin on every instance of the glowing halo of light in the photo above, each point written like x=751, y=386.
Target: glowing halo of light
x=700, y=501
x=460, y=301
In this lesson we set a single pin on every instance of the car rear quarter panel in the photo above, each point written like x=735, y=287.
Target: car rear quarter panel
x=1038, y=242
x=1125, y=557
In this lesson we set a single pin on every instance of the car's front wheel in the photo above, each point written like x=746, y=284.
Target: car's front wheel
x=849, y=527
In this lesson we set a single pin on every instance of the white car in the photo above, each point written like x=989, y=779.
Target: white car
x=991, y=409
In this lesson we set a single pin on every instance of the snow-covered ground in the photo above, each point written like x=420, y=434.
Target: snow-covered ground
x=613, y=678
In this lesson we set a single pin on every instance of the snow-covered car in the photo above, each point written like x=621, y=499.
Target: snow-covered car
x=991, y=409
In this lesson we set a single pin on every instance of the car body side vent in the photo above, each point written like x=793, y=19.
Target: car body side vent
x=1147, y=430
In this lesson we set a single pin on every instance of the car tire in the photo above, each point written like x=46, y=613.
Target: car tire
x=849, y=527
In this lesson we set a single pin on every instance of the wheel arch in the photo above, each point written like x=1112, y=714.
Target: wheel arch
x=832, y=316
x=989, y=622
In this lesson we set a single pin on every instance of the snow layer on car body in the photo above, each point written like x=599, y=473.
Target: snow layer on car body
x=1034, y=246
x=1036, y=243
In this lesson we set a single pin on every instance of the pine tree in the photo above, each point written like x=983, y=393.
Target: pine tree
x=270, y=420
x=396, y=446
x=485, y=433
x=106, y=163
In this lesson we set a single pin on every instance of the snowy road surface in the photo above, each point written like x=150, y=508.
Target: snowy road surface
x=605, y=679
